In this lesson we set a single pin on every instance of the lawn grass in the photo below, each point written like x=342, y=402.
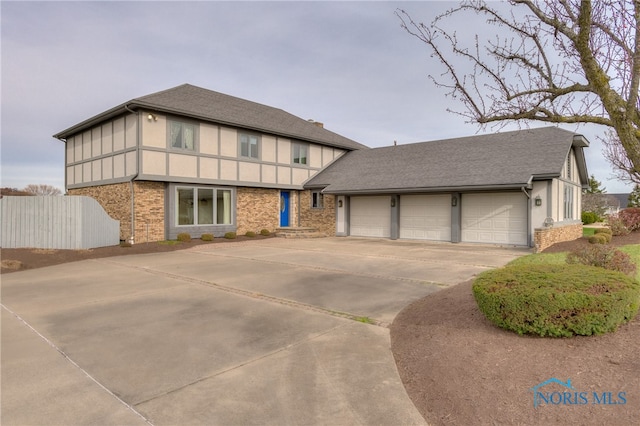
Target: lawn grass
x=632, y=250
x=587, y=232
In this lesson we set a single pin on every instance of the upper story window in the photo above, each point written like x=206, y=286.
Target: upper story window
x=300, y=154
x=569, y=168
x=182, y=135
x=249, y=146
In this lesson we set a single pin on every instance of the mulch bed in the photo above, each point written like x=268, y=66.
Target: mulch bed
x=459, y=369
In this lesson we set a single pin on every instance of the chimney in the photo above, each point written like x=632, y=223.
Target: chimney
x=317, y=123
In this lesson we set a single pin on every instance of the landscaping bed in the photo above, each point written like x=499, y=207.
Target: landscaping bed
x=460, y=369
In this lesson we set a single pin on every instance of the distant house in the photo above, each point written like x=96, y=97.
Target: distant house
x=616, y=202
x=192, y=160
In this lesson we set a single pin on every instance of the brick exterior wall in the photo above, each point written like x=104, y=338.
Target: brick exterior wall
x=546, y=237
x=149, y=211
x=116, y=201
x=258, y=209
x=324, y=219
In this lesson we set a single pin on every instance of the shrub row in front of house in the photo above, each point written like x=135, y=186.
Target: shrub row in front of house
x=186, y=237
x=557, y=300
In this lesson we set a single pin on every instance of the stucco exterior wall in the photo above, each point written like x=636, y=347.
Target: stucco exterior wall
x=546, y=237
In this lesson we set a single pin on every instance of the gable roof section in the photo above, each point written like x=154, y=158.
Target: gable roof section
x=494, y=161
x=203, y=104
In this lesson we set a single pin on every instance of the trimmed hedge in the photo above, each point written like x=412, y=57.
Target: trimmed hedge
x=250, y=234
x=557, y=300
x=230, y=235
x=589, y=217
x=265, y=232
x=184, y=237
x=207, y=237
x=605, y=257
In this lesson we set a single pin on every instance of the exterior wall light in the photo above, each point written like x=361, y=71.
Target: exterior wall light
x=393, y=201
x=538, y=201
x=339, y=203
x=454, y=201
x=152, y=117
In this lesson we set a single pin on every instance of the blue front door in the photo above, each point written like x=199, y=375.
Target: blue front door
x=284, y=208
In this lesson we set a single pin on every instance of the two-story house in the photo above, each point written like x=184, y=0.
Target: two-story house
x=192, y=160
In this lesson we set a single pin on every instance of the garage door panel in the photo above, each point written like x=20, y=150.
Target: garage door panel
x=425, y=217
x=370, y=217
x=494, y=218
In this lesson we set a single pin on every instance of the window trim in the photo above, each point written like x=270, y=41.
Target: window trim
x=196, y=135
x=568, y=201
x=300, y=145
x=250, y=135
x=195, y=196
x=319, y=196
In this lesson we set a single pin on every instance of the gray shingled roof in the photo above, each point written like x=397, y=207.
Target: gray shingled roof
x=500, y=160
x=204, y=104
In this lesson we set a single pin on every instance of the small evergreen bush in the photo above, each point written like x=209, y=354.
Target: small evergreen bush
x=598, y=239
x=589, y=218
x=250, y=234
x=557, y=300
x=184, y=237
x=230, y=235
x=265, y=232
x=605, y=257
x=206, y=237
x=604, y=232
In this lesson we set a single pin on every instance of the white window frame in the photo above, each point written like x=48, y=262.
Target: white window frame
x=227, y=197
x=568, y=201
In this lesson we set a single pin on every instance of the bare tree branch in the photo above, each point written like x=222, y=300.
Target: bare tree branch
x=563, y=61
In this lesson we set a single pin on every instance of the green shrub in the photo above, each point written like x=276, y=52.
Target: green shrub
x=206, y=237
x=557, y=300
x=631, y=218
x=265, y=232
x=598, y=239
x=250, y=234
x=603, y=257
x=589, y=218
x=184, y=237
x=602, y=231
x=230, y=235
x=617, y=226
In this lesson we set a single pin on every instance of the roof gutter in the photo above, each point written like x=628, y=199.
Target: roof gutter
x=132, y=238
x=480, y=188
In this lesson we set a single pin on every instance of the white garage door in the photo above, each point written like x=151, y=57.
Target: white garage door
x=370, y=216
x=425, y=217
x=494, y=218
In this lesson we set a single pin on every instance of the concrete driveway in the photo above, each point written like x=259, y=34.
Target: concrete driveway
x=273, y=331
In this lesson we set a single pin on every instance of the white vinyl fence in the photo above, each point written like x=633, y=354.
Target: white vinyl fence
x=56, y=222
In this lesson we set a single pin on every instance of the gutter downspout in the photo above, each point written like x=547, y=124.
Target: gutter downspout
x=524, y=190
x=133, y=213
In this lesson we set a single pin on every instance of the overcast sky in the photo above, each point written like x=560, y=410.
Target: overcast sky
x=347, y=64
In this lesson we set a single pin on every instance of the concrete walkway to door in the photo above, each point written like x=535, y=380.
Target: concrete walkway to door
x=275, y=331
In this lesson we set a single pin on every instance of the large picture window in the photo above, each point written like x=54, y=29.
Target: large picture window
x=203, y=206
x=182, y=135
x=249, y=146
